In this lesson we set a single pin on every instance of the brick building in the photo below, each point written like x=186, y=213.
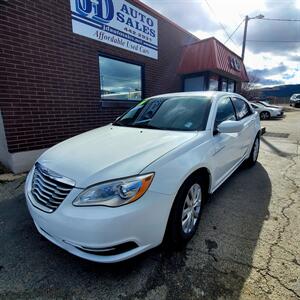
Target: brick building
x=70, y=66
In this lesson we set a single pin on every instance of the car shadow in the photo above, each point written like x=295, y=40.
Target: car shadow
x=216, y=263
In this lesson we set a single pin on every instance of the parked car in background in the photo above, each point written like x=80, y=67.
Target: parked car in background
x=117, y=191
x=267, y=104
x=295, y=100
x=267, y=112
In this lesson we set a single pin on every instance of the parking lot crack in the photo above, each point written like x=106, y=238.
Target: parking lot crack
x=289, y=204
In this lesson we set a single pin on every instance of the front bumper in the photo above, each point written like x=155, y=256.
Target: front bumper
x=279, y=114
x=88, y=231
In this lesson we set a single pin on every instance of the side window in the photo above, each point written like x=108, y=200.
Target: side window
x=225, y=111
x=242, y=108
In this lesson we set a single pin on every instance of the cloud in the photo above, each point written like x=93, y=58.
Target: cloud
x=188, y=14
x=268, y=50
x=269, y=82
x=294, y=58
x=274, y=36
x=267, y=72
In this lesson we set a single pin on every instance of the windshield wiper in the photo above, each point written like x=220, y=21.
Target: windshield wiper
x=147, y=126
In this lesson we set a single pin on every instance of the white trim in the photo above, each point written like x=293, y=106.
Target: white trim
x=23, y=161
x=4, y=154
x=17, y=162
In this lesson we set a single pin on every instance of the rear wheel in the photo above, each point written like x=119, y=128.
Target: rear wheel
x=251, y=161
x=185, y=214
x=265, y=115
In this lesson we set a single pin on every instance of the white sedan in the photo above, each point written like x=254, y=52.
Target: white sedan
x=266, y=112
x=117, y=191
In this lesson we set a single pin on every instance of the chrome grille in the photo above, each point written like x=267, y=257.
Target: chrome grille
x=49, y=189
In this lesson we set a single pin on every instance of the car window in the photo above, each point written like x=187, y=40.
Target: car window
x=242, y=108
x=298, y=97
x=225, y=111
x=183, y=113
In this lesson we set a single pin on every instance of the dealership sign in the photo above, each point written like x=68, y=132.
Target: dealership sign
x=117, y=23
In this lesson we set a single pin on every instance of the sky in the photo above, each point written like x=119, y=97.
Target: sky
x=268, y=58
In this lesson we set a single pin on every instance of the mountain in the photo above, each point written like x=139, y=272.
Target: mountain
x=285, y=91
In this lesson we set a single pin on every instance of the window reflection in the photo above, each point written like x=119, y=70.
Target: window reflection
x=224, y=85
x=120, y=80
x=231, y=86
x=213, y=83
x=194, y=84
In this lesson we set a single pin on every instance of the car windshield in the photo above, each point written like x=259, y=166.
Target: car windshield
x=265, y=103
x=257, y=105
x=180, y=113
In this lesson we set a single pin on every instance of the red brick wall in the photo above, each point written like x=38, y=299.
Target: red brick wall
x=49, y=77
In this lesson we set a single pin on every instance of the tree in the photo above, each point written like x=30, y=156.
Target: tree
x=250, y=90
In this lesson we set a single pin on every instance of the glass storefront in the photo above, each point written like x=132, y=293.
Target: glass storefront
x=120, y=80
x=213, y=83
x=231, y=86
x=224, y=85
x=208, y=82
x=194, y=84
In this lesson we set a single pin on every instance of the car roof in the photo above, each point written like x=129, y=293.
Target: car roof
x=215, y=95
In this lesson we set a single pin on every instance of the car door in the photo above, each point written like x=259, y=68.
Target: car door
x=245, y=115
x=227, y=146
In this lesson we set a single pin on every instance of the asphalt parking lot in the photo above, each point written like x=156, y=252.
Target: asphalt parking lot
x=247, y=245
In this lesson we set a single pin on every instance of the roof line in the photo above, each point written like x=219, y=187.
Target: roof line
x=213, y=38
x=156, y=13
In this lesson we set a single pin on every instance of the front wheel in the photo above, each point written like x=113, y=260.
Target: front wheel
x=265, y=115
x=251, y=161
x=185, y=214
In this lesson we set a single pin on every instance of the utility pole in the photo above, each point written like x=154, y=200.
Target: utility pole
x=247, y=18
x=245, y=37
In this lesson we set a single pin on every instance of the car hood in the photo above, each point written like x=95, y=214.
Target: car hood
x=276, y=107
x=110, y=152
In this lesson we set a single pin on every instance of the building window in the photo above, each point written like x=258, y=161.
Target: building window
x=120, y=80
x=213, y=83
x=231, y=86
x=224, y=85
x=194, y=84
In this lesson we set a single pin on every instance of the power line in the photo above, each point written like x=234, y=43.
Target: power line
x=222, y=26
x=280, y=20
x=260, y=41
x=229, y=38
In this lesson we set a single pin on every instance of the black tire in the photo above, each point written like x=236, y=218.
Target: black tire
x=176, y=238
x=265, y=115
x=251, y=161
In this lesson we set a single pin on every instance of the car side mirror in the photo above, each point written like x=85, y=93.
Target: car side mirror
x=230, y=127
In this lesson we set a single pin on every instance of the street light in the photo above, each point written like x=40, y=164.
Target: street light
x=259, y=17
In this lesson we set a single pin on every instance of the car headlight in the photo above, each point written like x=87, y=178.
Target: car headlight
x=115, y=193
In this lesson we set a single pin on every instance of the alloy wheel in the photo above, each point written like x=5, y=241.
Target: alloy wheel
x=265, y=116
x=191, y=208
